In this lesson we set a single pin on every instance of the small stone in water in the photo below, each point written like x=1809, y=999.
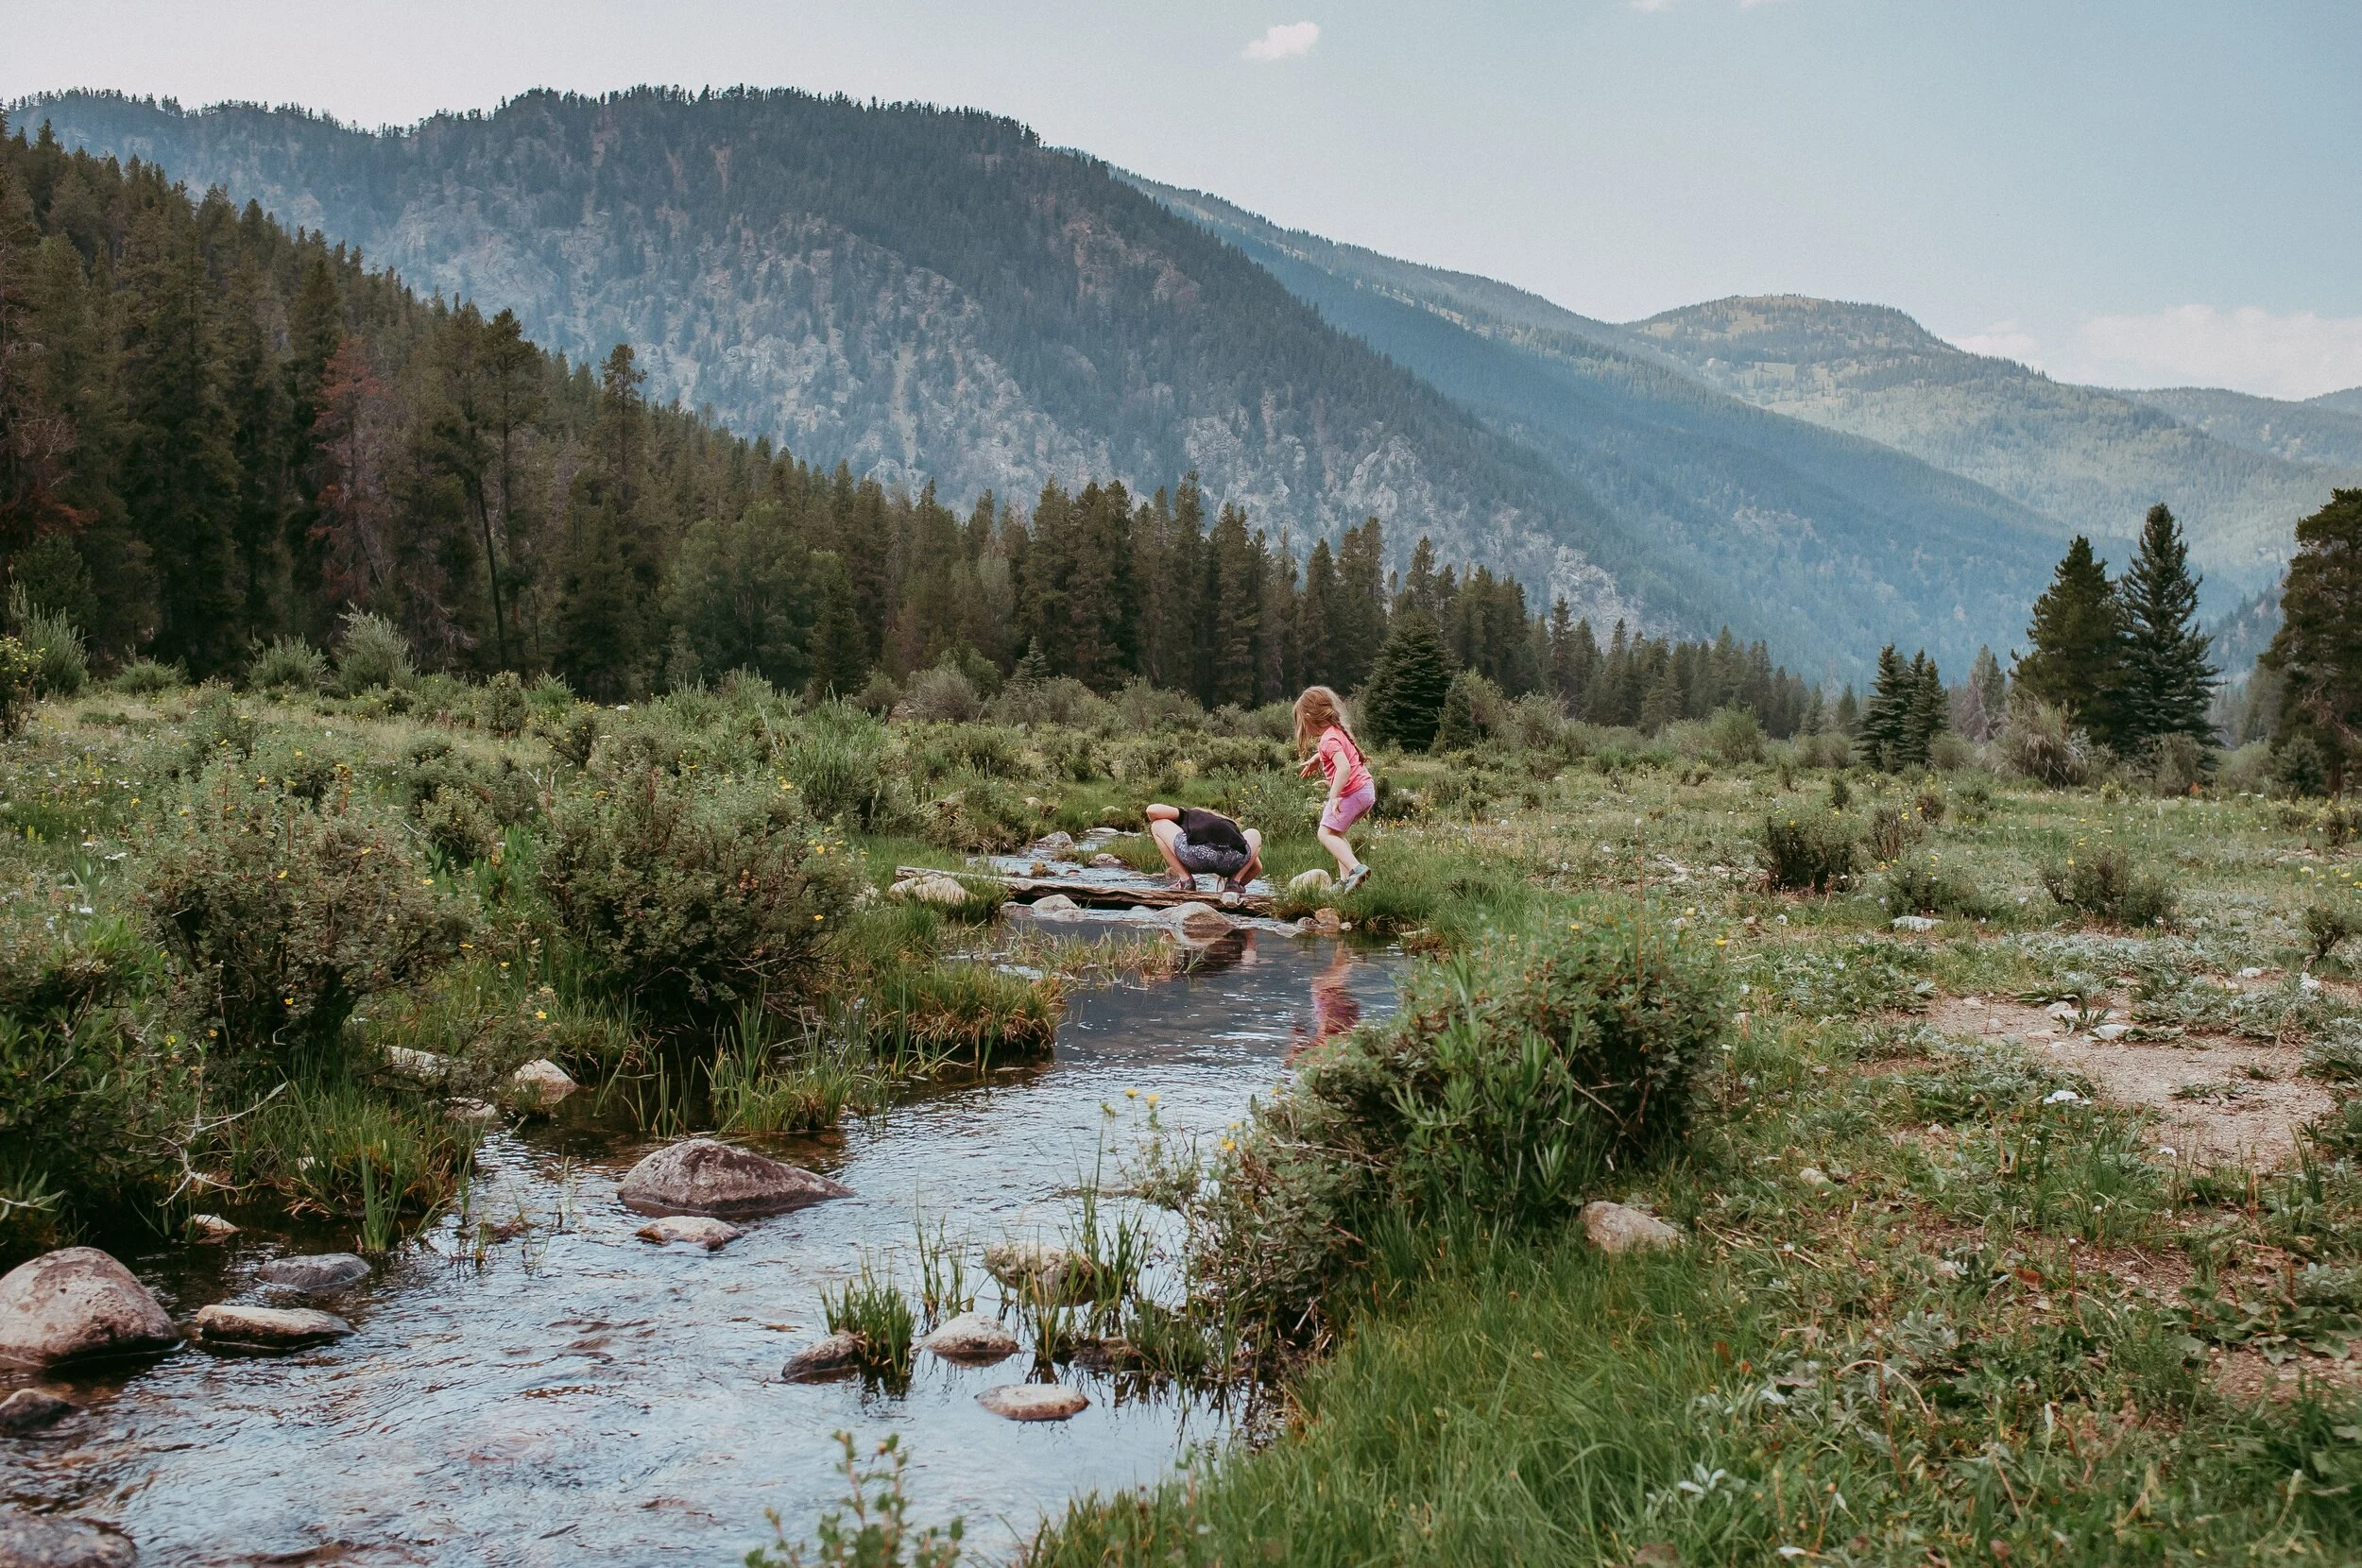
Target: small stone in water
x=32, y=1409
x=318, y=1272
x=705, y=1176
x=1018, y=1264
x=1055, y=905
x=471, y=1110
x=1035, y=1401
x=972, y=1337
x=712, y=1234
x=211, y=1227
x=540, y=1083
x=1106, y=862
x=38, y=1541
x=838, y=1353
x=266, y=1328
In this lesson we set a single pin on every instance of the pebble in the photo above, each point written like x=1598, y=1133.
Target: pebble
x=1056, y=907
x=712, y=1234
x=2111, y=1032
x=33, y=1410
x=1017, y=1263
x=937, y=888
x=1618, y=1228
x=1199, y=923
x=424, y=1067
x=1035, y=1401
x=471, y=1110
x=1314, y=880
x=823, y=1358
x=265, y=1327
x=1812, y=1177
x=315, y=1274
x=1914, y=923
x=1106, y=862
x=211, y=1227
x=970, y=1336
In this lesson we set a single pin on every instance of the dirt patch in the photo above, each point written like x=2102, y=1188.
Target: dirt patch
x=2220, y=1100
x=2248, y=1375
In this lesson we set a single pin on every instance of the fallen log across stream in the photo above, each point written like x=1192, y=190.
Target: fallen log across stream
x=1104, y=889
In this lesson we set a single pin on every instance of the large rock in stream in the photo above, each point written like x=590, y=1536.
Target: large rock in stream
x=1035, y=1402
x=704, y=1176
x=315, y=1273
x=266, y=1328
x=35, y=1541
x=77, y=1304
x=33, y=1410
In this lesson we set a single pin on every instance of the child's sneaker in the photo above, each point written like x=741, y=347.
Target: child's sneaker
x=1355, y=878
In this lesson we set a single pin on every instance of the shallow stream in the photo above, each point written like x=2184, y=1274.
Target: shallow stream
x=576, y=1395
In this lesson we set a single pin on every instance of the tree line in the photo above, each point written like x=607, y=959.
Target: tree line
x=215, y=434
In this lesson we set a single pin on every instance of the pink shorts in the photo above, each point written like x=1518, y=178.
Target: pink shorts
x=1349, y=808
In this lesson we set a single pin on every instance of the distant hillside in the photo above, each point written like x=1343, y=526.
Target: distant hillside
x=929, y=296
x=2095, y=460
x=2309, y=433
x=2348, y=401
x=1865, y=543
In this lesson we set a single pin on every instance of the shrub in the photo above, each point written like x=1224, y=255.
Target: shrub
x=1892, y=830
x=941, y=695
x=60, y=664
x=1951, y=751
x=372, y=653
x=290, y=661
x=2039, y=743
x=144, y=677
x=2177, y=764
x=1812, y=851
x=219, y=727
x=503, y=707
x=20, y=683
x=878, y=698
x=1911, y=888
x=838, y=762
x=456, y=827
x=2105, y=885
x=1062, y=700
x=693, y=898
x=1511, y=1081
x=1141, y=708
x=1734, y=736
x=2300, y=767
x=1278, y=803
x=2326, y=927
x=282, y=916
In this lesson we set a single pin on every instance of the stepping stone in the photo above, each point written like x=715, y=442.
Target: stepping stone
x=712, y=1234
x=824, y=1358
x=315, y=1274
x=1035, y=1402
x=266, y=1328
x=540, y=1084
x=970, y=1336
x=209, y=1227
x=77, y=1304
x=707, y=1177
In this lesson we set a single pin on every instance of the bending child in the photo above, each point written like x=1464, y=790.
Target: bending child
x=1193, y=841
x=1321, y=730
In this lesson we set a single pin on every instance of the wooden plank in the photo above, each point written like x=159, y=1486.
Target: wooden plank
x=1154, y=895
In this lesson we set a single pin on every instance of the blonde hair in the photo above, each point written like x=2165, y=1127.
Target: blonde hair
x=1317, y=709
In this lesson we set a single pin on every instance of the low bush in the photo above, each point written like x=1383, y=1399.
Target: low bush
x=1809, y=851
x=144, y=677
x=1734, y=736
x=284, y=915
x=60, y=662
x=1913, y=886
x=1892, y=830
x=941, y=695
x=372, y=654
x=2039, y=741
x=2105, y=885
x=502, y=706
x=840, y=762
x=1509, y=1084
x=20, y=683
x=288, y=664
x=693, y=898
x=2327, y=926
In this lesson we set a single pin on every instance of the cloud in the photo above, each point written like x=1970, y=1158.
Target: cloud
x=2299, y=356
x=2003, y=340
x=1284, y=41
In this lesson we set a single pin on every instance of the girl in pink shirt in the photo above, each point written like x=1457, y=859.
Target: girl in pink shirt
x=1321, y=730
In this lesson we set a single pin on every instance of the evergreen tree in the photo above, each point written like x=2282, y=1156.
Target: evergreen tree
x=839, y=656
x=1927, y=716
x=1883, y=739
x=1357, y=628
x=2078, y=636
x=2168, y=683
x=1663, y=705
x=1987, y=697
x=1456, y=727
x=1404, y=701
x=2317, y=654
x=1846, y=719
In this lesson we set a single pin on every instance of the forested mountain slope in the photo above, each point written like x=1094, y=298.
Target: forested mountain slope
x=2093, y=460
x=2315, y=434
x=1868, y=543
x=2347, y=401
x=925, y=294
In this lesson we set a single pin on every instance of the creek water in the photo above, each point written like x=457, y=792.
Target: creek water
x=574, y=1394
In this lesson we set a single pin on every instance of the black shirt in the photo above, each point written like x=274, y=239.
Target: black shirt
x=1212, y=830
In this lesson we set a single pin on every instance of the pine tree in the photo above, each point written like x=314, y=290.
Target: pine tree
x=1846, y=719
x=2317, y=654
x=1883, y=736
x=1987, y=698
x=2168, y=682
x=2078, y=637
x=1404, y=701
x=1927, y=715
x=839, y=655
x=1456, y=727
x=1663, y=705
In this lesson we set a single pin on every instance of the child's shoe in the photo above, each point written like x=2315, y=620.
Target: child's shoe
x=1355, y=878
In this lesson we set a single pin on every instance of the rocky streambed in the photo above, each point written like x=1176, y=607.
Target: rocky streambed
x=554, y=1383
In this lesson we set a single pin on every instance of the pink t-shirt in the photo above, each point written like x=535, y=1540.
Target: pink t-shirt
x=1337, y=750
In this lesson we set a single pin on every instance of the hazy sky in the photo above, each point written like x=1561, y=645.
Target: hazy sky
x=2137, y=194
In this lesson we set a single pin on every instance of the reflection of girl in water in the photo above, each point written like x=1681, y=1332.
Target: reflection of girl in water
x=1334, y=1009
